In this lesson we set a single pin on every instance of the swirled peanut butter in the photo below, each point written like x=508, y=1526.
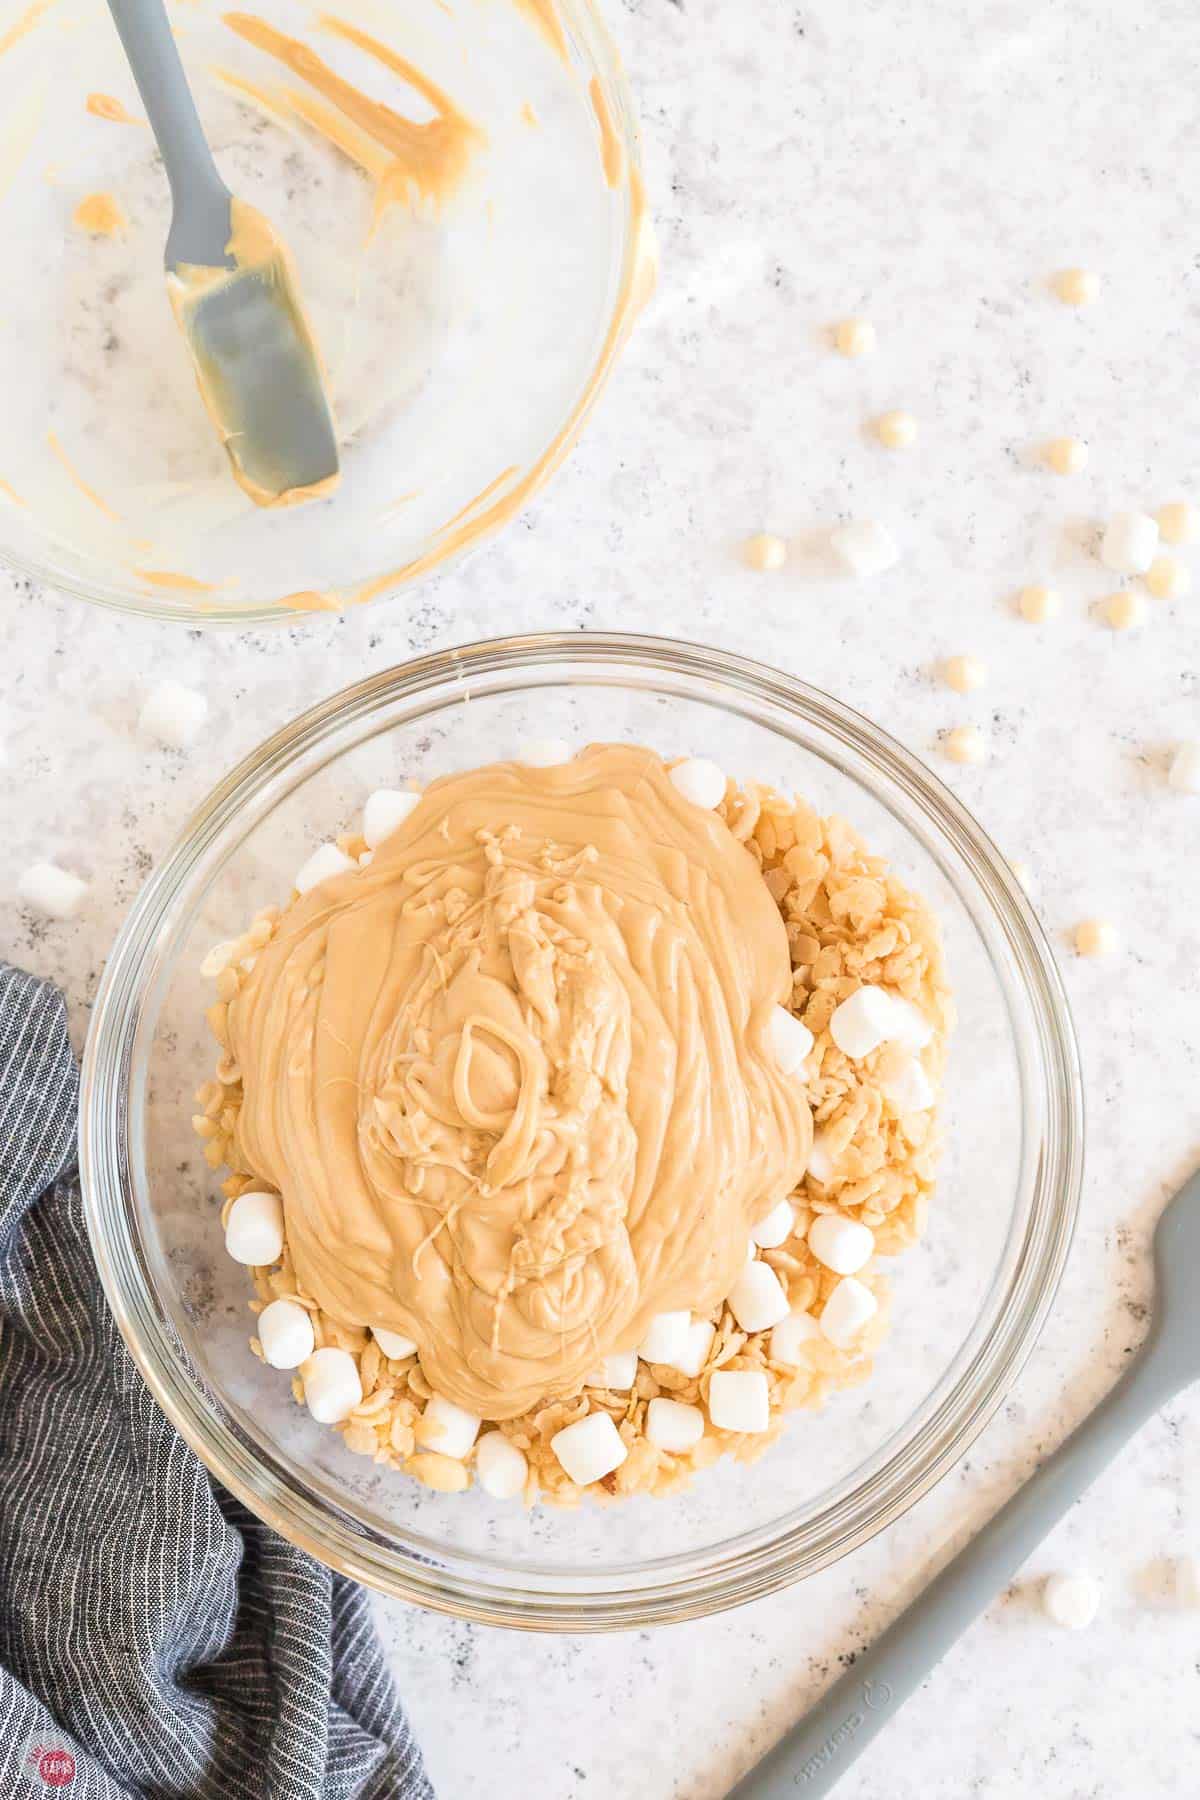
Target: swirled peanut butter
x=513, y=1079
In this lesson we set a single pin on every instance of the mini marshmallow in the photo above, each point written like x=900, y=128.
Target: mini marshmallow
x=865, y=548
x=173, y=714
x=332, y=1388
x=701, y=1333
x=448, y=1429
x=543, y=753
x=776, y=1228
x=667, y=1337
x=909, y=1027
x=254, y=1229
x=907, y=1086
x=324, y=862
x=502, y=1468
x=616, y=1373
x=700, y=781
x=673, y=1425
x=1178, y=523
x=841, y=1244
x=863, y=1022
x=394, y=1344
x=757, y=1300
x=846, y=1311
x=1071, y=1600
x=589, y=1449
x=739, y=1400
x=820, y=1161
x=285, y=1332
x=1184, y=771
x=1130, y=542
x=790, y=1335
x=51, y=890
x=218, y=958
x=385, y=811
x=790, y=1040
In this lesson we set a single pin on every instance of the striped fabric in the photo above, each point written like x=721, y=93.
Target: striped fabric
x=155, y=1638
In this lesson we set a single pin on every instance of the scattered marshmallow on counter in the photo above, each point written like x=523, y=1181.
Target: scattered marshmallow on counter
x=791, y=1040
x=739, y=1400
x=820, y=1162
x=862, y=1022
x=765, y=552
x=757, y=1300
x=1067, y=455
x=850, y=1306
x=790, y=1335
x=173, y=714
x=589, y=1449
x=667, y=1337
x=285, y=1332
x=865, y=547
x=394, y=1344
x=896, y=430
x=1071, y=1600
x=965, y=744
x=1167, y=579
x=699, y=781
x=1130, y=543
x=1096, y=937
x=385, y=811
x=841, y=1244
x=1077, y=287
x=776, y=1228
x=674, y=1425
x=447, y=1428
x=617, y=1373
x=254, y=1229
x=1037, y=604
x=701, y=1333
x=1178, y=523
x=854, y=337
x=543, y=753
x=907, y=1086
x=1183, y=774
x=964, y=673
x=1124, y=610
x=332, y=1388
x=51, y=890
x=327, y=860
x=500, y=1466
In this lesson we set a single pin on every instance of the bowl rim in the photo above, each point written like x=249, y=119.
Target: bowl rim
x=604, y=58
x=744, y=1568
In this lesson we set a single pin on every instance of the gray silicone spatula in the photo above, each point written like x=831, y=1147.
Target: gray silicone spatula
x=814, y=1756
x=232, y=287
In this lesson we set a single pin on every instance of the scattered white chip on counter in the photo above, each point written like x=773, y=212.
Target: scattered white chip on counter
x=820, y=1162
x=285, y=1332
x=1167, y=579
x=841, y=1244
x=543, y=753
x=850, y=1306
x=501, y=1467
x=667, y=1337
x=854, y=337
x=1096, y=937
x=907, y=1086
x=791, y=1040
x=447, y=1428
x=757, y=1300
x=1125, y=609
x=701, y=1333
x=1183, y=773
x=739, y=1400
x=617, y=1373
x=765, y=552
x=325, y=861
x=865, y=547
x=965, y=744
x=862, y=1022
x=699, y=781
x=674, y=1425
x=51, y=890
x=896, y=430
x=1178, y=523
x=1077, y=287
x=776, y=1228
x=394, y=1344
x=589, y=1449
x=332, y=1388
x=1067, y=455
x=789, y=1336
x=173, y=714
x=1071, y=1600
x=385, y=810
x=964, y=673
x=1036, y=604
x=910, y=1026
x=1130, y=543
x=254, y=1229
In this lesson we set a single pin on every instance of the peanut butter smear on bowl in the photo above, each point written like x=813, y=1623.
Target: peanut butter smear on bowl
x=513, y=1080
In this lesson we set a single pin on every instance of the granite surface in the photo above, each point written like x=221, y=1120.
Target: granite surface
x=929, y=167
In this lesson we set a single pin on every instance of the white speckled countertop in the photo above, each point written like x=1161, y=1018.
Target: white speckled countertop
x=929, y=167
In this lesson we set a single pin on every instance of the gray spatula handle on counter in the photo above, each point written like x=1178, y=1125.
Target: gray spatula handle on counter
x=812, y=1758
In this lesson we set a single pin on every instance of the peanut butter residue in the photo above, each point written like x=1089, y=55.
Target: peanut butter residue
x=171, y=578
x=104, y=106
x=89, y=493
x=513, y=1080
x=99, y=214
x=612, y=151
x=22, y=26
x=544, y=15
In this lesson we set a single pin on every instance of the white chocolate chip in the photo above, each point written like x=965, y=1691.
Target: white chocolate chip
x=1071, y=1600
x=701, y=1333
x=673, y=1425
x=699, y=781
x=765, y=552
x=1077, y=287
x=1124, y=610
x=1037, y=604
x=52, y=891
x=1178, y=523
x=1096, y=937
x=325, y=862
x=855, y=337
x=1067, y=455
x=757, y=1300
x=964, y=673
x=543, y=753
x=739, y=1400
x=847, y=1310
x=790, y=1336
x=791, y=1040
x=896, y=430
x=502, y=1469
x=667, y=1337
x=332, y=1388
x=906, y=1086
x=394, y=1344
x=1184, y=771
x=1130, y=543
x=254, y=1229
x=965, y=744
x=447, y=1428
x=862, y=1022
x=841, y=1244
x=617, y=1373
x=1167, y=579
x=285, y=1332
x=385, y=811
x=864, y=547
x=172, y=714
x=589, y=1449
x=776, y=1228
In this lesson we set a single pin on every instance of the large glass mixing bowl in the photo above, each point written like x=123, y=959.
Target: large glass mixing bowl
x=968, y=1303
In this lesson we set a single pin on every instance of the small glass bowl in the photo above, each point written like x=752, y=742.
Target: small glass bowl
x=967, y=1304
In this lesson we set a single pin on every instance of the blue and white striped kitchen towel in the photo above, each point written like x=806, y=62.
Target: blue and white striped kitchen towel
x=155, y=1638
